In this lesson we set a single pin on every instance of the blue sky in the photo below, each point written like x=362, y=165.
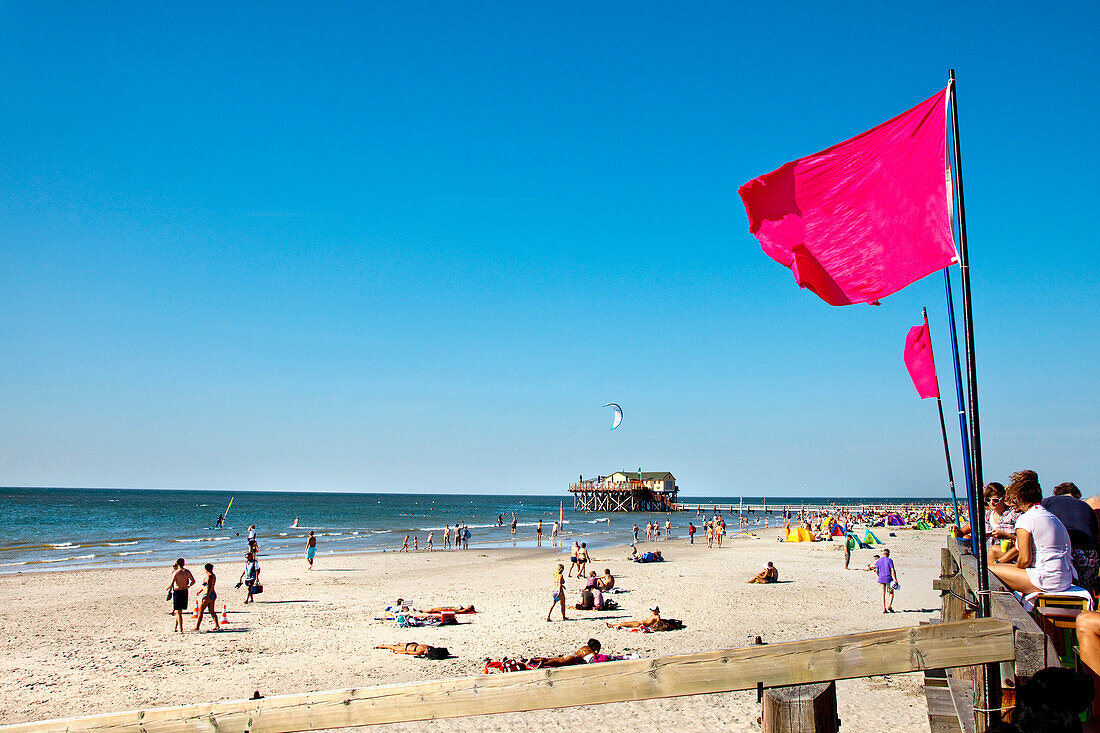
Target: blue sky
x=417, y=247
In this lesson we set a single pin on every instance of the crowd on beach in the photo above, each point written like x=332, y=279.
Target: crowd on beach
x=592, y=594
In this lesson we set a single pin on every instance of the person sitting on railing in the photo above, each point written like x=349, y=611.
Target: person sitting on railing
x=1080, y=521
x=1043, y=551
x=1000, y=519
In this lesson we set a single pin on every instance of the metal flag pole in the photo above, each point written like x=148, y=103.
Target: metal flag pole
x=977, y=530
x=971, y=492
x=943, y=432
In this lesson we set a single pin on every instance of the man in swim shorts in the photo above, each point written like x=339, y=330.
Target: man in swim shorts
x=607, y=581
x=182, y=579
x=538, y=533
x=888, y=579
x=311, y=548
x=573, y=557
x=209, y=594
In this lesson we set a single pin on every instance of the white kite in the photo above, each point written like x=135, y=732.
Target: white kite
x=618, y=414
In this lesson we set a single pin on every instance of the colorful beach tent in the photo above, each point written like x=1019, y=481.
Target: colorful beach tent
x=870, y=538
x=859, y=542
x=895, y=520
x=800, y=534
x=837, y=531
x=923, y=525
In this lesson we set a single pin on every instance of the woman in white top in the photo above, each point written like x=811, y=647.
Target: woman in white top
x=1044, y=562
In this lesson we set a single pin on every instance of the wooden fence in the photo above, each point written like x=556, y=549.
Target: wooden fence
x=894, y=651
x=1033, y=649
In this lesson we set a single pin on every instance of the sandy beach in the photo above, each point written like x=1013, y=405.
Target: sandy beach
x=100, y=640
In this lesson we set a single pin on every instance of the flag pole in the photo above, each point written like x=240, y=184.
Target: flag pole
x=943, y=432
x=971, y=493
x=977, y=530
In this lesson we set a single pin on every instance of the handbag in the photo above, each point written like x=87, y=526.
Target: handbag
x=257, y=589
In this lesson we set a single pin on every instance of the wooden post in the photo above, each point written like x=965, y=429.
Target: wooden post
x=801, y=709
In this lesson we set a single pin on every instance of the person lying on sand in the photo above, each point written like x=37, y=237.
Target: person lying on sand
x=650, y=557
x=417, y=650
x=448, y=609
x=581, y=656
x=769, y=574
x=654, y=618
x=653, y=623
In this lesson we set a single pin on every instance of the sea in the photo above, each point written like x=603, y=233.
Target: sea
x=65, y=528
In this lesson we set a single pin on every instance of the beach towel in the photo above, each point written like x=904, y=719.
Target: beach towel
x=505, y=665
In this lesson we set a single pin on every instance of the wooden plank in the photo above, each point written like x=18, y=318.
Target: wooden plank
x=892, y=651
x=962, y=696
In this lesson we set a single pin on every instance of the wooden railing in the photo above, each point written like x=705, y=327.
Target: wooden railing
x=894, y=651
x=1034, y=650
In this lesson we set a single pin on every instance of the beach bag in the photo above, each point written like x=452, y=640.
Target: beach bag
x=257, y=589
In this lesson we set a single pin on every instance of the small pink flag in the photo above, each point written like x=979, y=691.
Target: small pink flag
x=919, y=362
x=866, y=217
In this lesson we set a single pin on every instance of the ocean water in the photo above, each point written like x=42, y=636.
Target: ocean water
x=56, y=529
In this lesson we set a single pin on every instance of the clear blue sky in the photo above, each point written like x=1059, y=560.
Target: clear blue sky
x=417, y=247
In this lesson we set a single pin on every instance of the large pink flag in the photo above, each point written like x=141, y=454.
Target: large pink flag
x=866, y=217
x=919, y=362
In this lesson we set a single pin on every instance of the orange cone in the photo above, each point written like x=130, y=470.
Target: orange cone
x=195, y=613
x=225, y=619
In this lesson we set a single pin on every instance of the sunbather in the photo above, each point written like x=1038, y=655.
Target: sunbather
x=580, y=656
x=770, y=574
x=654, y=618
x=448, y=609
x=417, y=650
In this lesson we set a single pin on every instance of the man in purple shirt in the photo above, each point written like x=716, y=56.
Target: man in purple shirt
x=888, y=579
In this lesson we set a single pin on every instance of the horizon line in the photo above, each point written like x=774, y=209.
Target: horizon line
x=453, y=493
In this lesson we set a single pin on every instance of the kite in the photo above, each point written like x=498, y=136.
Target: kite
x=618, y=414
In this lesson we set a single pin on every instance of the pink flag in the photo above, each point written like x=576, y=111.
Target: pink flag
x=918, y=360
x=866, y=217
